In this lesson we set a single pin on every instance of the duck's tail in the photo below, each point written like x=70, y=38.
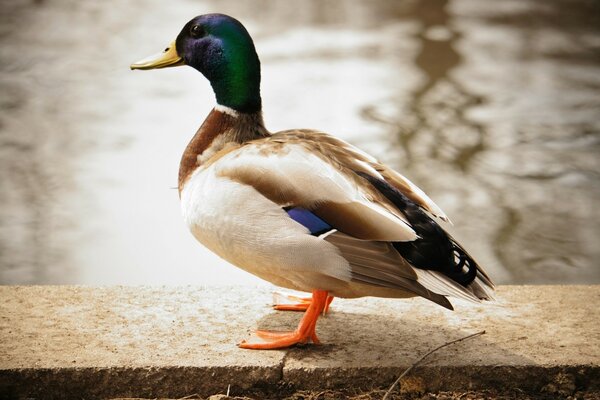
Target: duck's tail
x=441, y=263
x=479, y=288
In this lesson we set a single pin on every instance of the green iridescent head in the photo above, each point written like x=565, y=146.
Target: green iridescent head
x=220, y=47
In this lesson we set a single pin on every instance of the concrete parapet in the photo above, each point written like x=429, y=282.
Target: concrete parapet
x=89, y=342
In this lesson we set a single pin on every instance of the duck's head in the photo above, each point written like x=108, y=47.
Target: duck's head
x=220, y=47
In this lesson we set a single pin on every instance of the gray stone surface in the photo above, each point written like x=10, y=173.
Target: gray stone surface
x=74, y=342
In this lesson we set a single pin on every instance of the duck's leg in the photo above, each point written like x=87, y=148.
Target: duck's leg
x=304, y=333
x=302, y=303
x=327, y=304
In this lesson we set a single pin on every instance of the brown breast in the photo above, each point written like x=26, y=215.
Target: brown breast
x=238, y=128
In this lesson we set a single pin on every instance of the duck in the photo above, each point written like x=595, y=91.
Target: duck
x=300, y=208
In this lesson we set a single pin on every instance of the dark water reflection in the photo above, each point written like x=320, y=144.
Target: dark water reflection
x=492, y=108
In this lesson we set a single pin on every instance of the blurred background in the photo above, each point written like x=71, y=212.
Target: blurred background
x=493, y=108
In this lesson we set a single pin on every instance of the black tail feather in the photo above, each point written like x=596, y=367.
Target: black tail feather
x=434, y=249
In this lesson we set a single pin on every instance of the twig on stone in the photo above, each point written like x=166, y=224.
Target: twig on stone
x=387, y=394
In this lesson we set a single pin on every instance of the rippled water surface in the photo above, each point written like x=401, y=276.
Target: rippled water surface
x=493, y=108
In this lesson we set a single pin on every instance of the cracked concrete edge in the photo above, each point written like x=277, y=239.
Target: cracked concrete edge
x=176, y=382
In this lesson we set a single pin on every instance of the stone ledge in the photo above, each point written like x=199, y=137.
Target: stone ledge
x=83, y=342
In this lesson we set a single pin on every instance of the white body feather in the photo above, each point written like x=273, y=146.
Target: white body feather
x=250, y=231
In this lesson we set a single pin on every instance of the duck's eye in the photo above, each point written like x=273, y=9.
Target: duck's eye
x=196, y=31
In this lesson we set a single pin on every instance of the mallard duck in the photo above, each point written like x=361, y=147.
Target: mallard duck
x=300, y=208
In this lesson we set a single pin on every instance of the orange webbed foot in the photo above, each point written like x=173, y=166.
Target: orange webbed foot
x=304, y=333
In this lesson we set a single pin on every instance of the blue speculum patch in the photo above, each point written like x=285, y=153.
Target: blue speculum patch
x=310, y=221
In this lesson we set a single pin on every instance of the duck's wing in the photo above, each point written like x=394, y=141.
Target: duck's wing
x=323, y=181
x=292, y=172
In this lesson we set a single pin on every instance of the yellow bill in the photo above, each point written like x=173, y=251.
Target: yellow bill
x=167, y=58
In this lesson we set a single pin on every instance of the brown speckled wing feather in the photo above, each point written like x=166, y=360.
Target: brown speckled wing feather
x=346, y=156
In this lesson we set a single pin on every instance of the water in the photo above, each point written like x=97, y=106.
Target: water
x=491, y=108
